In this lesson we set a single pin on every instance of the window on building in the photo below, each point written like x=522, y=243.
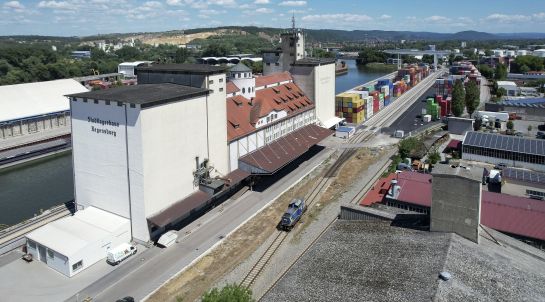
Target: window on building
x=268, y=119
x=50, y=254
x=107, y=102
x=32, y=244
x=210, y=82
x=133, y=106
x=221, y=88
x=243, y=90
x=268, y=64
x=276, y=64
x=221, y=80
x=96, y=101
x=76, y=266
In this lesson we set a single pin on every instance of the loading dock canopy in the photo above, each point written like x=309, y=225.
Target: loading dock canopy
x=276, y=155
x=194, y=201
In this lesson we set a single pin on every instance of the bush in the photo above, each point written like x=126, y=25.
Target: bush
x=229, y=293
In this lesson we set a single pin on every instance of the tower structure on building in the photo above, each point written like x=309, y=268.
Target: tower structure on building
x=291, y=49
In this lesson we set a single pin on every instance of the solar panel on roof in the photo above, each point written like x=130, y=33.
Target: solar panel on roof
x=524, y=175
x=503, y=142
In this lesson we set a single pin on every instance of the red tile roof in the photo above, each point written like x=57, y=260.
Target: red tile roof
x=415, y=188
x=506, y=213
x=378, y=191
x=276, y=155
x=513, y=214
x=454, y=144
x=273, y=79
x=231, y=88
x=243, y=114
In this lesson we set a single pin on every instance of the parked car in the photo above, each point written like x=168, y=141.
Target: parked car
x=540, y=134
x=519, y=134
x=120, y=253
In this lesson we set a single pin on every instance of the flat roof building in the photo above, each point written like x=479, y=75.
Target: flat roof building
x=497, y=148
x=35, y=107
x=71, y=244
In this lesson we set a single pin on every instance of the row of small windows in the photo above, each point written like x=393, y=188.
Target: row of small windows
x=250, y=89
x=105, y=102
x=275, y=64
x=508, y=155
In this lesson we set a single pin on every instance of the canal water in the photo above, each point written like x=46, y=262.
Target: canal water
x=27, y=188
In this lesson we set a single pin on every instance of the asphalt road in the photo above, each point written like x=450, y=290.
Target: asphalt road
x=411, y=119
x=145, y=273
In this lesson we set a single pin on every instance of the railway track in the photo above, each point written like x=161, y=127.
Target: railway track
x=382, y=118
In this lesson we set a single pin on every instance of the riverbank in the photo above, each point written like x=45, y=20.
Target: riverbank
x=378, y=67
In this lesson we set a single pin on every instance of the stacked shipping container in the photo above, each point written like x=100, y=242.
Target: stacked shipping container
x=350, y=106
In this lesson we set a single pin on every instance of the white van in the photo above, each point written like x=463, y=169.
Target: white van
x=168, y=239
x=120, y=253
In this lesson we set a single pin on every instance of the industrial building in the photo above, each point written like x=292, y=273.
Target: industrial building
x=161, y=152
x=514, y=151
x=518, y=216
x=509, y=86
x=36, y=107
x=128, y=68
x=373, y=260
x=532, y=109
x=523, y=183
x=71, y=244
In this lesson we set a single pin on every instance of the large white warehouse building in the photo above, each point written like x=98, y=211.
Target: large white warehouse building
x=157, y=153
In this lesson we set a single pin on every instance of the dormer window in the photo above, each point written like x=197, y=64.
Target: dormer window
x=276, y=90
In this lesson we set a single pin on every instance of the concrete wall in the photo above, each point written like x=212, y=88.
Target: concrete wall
x=172, y=136
x=460, y=125
x=151, y=77
x=100, y=159
x=35, y=125
x=272, y=63
x=456, y=206
x=324, y=95
x=511, y=163
x=216, y=115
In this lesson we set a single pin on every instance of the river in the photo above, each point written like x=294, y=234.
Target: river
x=27, y=188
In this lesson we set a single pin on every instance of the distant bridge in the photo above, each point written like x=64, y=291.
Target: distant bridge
x=227, y=60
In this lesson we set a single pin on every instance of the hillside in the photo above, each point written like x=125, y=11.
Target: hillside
x=177, y=37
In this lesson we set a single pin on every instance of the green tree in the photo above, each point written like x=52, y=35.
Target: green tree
x=530, y=128
x=407, y=146
x=472, y=97
x=458, y=98
x=510, y=125
x=4, y=67
x=128, y=53
x=486, y=71
x=216, y=50
x=434, y=157
x=181, y=55
x=229, y=293
x=501, y=92
x=500, y=73
x=370, y=55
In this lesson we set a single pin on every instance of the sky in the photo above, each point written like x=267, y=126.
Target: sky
x=89, y=17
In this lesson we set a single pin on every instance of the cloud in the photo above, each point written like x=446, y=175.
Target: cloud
x=501, y=18
x=152, y=4
x=55, y=4
x=174, y=2
x=264, y=10
x=437, y=19
x=262, y=2
x=336, y=18
x=385, y=17
x=16, y=5
x=293, y=3
x=211, y=12
x=229, y=3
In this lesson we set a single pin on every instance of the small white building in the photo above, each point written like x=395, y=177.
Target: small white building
x=509, y=86
x=128, y=68
x=71, y=244
x=345, y=132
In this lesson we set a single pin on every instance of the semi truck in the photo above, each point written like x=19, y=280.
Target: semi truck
x=120, y=253
x=295, y=210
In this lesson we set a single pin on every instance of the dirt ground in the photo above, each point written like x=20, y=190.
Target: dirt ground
x=198, y=278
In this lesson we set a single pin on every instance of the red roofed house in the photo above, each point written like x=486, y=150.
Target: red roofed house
x=259, y=115
x=520, y=217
